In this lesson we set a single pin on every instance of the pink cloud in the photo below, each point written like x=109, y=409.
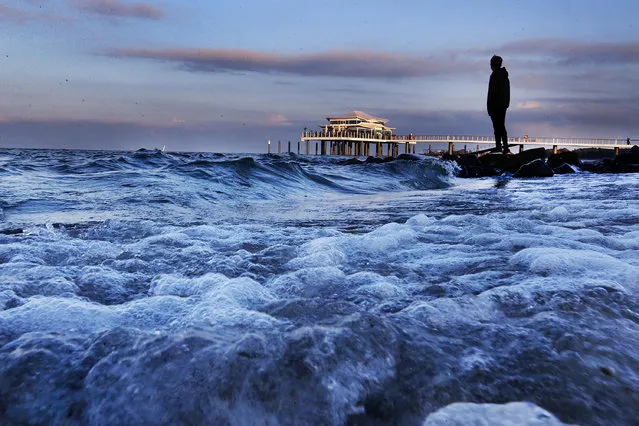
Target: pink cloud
x=335, y=63
x=11, y=14
x=529, y=105
x=571, y=52
x=120, y=9
x=278, y=120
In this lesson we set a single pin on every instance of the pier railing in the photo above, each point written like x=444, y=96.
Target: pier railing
x=467, y=139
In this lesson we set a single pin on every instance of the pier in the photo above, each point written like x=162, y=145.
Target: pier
x=351, y=144
x=356, y=132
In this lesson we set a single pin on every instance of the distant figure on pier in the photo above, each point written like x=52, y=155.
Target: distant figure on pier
x=499, y=101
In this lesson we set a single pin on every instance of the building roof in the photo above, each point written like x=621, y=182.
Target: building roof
x=357, y=114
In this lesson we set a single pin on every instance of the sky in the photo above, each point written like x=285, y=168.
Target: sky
x=228, y=75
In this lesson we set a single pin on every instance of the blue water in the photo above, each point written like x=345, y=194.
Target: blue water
x=155, y=288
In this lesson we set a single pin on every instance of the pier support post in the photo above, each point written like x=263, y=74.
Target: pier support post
x=323, y=146
x=407, y=148
x=554, y=149
x=616, y=151
x=289, y=147
x=521, y=148
x=298, y=148
x=279, y=147
x=308, y=147
x=316, y=143
x=451, y=148
x=269, y=147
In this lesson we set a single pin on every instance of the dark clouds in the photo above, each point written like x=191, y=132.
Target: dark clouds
x=121, y=9
x=339, y=63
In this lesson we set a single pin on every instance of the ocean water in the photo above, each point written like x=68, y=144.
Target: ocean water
x=151, y=288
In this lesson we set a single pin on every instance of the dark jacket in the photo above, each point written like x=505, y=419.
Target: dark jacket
x=498, y=91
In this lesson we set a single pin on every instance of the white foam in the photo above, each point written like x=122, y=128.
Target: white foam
x=577, y=263
x=444, y=313
x=373, y=285
x=310, y=282
x=512, y=414
x=177, y=285
x=560, y=214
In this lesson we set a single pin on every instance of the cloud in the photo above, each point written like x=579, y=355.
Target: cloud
x=336, y=63
x=532, y=55
x=121, y=9
x=11, y=14
x=278, y=120
x=570, y=52
x=528, y=105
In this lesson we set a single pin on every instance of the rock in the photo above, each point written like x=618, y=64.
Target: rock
x=594, y=153
x=512, y=163
x=565, y=157
x=564, y=169
x=477, y=171
x=536, y=168
x=515, y=162
x=626, y=162
x=494, y=160
x=628, y=156
x=472, y=167
x=468, y=160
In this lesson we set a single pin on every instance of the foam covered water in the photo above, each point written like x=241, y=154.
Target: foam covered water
x=154, y=288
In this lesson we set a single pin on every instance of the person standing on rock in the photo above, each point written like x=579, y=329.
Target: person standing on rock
x=499, y=101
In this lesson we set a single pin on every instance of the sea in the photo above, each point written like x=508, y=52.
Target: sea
x=166, y=288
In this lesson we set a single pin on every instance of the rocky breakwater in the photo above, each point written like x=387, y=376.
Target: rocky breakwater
x=537, y=163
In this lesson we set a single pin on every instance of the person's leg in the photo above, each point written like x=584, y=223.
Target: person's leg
x=504, y=133
x=497, y=129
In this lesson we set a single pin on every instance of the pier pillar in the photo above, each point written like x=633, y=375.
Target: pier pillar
x=308, y=147
x=269, y=147
x=323, y=145
x=451, y=148
x=279, y=147
x=289, y=147
x=521, y=148
x=554, y=149
x=414, y=148
x=616, y=151
x=298, y=148
x=407, y=148
x=316, y=148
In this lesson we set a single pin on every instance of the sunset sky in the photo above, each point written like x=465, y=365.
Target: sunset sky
x=226, y=75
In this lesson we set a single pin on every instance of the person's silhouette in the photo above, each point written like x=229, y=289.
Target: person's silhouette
x=499, y=101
